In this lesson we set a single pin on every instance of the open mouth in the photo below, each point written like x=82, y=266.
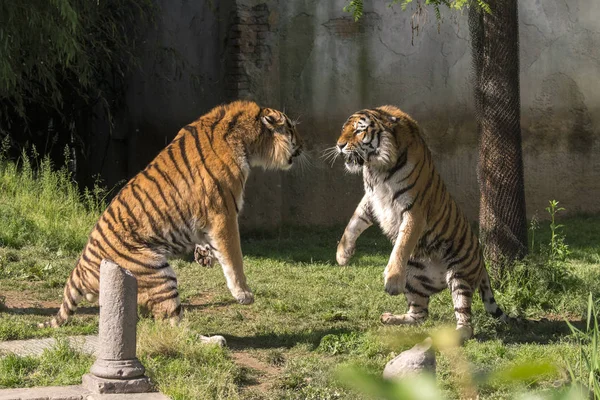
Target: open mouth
x=353, y=159
x=295, y=154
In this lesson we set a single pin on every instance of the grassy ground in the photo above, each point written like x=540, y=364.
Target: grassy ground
x=310, y=318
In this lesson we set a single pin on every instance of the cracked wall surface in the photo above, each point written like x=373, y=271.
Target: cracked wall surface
x=325, y=67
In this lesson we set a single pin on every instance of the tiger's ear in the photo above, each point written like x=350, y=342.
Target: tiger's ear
x=272, y=119
x=392, y=119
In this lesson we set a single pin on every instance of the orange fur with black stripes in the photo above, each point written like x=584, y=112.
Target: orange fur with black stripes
x=434, y=245
x=191, y=193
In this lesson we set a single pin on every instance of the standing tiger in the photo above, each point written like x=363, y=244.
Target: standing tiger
x=191, y=193
x=434, y=245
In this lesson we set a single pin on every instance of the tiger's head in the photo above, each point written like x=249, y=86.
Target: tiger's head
x=279, y=144
x=368, y=139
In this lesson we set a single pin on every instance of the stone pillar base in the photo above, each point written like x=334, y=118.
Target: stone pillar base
x=99, y=385
x=118, y=369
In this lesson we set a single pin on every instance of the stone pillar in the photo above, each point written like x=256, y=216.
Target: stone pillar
x=117, y=369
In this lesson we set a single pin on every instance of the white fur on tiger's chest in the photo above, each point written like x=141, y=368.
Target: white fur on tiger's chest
x=385, y=208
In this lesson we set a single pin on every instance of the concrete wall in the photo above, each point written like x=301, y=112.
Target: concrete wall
x=325, y=67
x=560, y=92
x=310, y=58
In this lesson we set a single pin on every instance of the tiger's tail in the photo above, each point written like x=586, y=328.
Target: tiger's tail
x=487, y=296
x=76, y=288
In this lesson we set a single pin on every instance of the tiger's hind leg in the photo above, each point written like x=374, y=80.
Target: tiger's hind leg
x=462, y=297
x=160, y=294
x=418, y=311
x=83, y=282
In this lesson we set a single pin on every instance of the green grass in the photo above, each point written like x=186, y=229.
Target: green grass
x=311, y=319
x=185, y=368
x=60, y=365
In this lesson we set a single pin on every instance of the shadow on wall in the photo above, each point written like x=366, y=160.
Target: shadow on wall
x=180, y=78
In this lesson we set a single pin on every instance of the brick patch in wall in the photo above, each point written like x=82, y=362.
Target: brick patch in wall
x=247, y=47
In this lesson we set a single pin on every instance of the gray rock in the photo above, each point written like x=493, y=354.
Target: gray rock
x=421, y=358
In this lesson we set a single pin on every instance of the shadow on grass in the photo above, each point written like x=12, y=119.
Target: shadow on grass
x=532, y=332
x=46, y=311
x=318, y=244
x=279, y=340
x=208, y=305
x=310, y=244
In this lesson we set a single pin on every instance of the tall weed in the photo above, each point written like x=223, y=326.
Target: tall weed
x=588, y=359
x=559, y=250
x=537, y=283
x=42, y=206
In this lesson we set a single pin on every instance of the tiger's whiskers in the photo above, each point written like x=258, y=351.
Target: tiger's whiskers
x=330, y=154
x=304, y=162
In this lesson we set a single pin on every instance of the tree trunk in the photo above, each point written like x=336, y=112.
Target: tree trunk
x=495, y=47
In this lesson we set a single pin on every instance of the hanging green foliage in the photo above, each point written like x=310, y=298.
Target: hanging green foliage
x=355, y=7
x=55, y=52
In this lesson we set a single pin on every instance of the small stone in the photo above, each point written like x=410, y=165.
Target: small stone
x=421, y=358
x=218, y=340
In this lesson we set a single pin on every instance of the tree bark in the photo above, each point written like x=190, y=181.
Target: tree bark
x=495, y=48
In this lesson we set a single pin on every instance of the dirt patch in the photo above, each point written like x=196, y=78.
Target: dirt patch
x=201, y=299
x=26, y=299
x=25, y=302
x=262, y=377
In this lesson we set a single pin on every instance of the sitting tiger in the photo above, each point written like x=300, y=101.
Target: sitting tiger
x=190, y=194
x=434, y=245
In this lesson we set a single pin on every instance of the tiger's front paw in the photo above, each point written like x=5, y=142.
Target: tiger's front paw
x=394, y=284
x=244, y=297
x=344, y=253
